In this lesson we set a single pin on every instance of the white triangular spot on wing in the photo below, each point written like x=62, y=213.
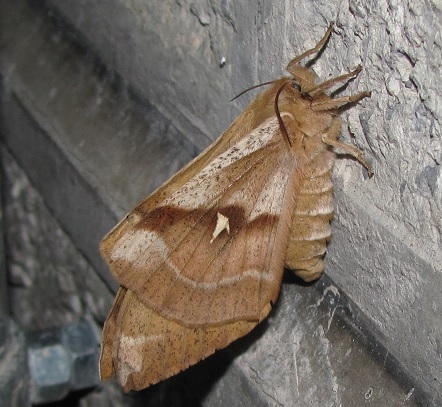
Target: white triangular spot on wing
x=222, y=223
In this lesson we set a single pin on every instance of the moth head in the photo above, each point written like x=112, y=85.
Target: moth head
x=305, y=78
x=306, y=124
x=302, y=93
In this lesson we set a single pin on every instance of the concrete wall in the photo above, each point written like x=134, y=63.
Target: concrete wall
x=187, y=59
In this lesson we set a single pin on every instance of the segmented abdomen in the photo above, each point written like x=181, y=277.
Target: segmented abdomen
x=311, y=232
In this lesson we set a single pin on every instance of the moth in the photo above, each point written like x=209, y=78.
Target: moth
x=200, y=261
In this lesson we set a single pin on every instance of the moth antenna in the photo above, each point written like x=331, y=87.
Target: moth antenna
x=278, y=115
x=251, y=88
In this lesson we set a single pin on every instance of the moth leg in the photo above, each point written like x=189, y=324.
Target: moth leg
x=338, y=102
x=295, y=61
x=327, y=84
x=353, y=151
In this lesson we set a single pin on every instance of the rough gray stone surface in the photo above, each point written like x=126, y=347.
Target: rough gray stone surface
x=187, y=59
x=14, y=378
x=51, y=284
x=4, y=298
x=317, y=359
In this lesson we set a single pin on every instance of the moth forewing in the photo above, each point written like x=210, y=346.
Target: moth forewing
x=252, y=117
x=169, y=258
x=200, y=260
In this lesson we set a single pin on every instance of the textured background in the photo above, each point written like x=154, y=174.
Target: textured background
x=185, y=60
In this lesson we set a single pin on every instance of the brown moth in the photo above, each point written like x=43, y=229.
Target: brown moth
x=200, y=261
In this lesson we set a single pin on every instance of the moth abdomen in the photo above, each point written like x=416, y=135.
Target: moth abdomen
x=311, y=231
